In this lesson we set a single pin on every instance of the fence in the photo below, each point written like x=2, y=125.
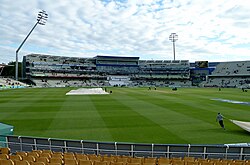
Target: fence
x=22, y=143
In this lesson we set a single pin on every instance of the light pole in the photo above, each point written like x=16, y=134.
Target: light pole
x=173, y=37
x=41, y=19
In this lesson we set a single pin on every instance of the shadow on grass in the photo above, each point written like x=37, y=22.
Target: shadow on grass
x=240, y=132
x=228, y=131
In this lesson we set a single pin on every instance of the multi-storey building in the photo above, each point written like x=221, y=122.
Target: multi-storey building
x=105, y=70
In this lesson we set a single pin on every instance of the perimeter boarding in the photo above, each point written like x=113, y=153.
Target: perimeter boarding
x=48, y=157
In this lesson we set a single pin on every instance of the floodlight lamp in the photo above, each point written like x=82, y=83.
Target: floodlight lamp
x=42, y=17
x=173, y=37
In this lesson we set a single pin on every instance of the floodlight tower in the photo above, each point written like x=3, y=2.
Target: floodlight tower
x=41, y=20
x=173, y=37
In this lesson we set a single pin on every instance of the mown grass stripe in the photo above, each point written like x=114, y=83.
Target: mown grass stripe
x=185, y=107
x=152, y=112
x=26, y=112
x=126, y=124
x=78, y=113
x=172, y=121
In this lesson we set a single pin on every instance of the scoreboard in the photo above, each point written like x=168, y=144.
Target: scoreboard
x=201, y=64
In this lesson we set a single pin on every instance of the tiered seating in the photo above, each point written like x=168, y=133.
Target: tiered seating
x=230, y=74
x=233, y=68
x=67, y=82
x=48, y=67
x=227, y=82
x=47, y=157
x=11, y=83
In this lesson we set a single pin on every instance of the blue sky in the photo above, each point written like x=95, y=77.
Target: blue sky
x=213, y=30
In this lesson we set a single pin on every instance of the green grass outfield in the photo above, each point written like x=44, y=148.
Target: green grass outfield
x=127, y=115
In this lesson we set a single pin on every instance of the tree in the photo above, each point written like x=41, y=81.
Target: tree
x=9, y=70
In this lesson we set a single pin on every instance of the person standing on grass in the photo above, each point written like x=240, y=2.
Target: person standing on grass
x=219, y=118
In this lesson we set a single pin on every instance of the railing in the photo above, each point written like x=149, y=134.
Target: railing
x=21, y=143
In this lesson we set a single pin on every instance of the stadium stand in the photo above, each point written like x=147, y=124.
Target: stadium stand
x=230, y=74
x=99, y=71
x=57, y=71
x=11, y=83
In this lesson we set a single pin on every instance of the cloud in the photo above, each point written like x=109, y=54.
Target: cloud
x=207, y=30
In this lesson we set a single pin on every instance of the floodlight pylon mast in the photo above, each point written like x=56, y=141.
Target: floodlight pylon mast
x=41, y=20
x=173, y=37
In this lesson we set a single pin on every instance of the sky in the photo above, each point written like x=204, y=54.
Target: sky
x=210, y=30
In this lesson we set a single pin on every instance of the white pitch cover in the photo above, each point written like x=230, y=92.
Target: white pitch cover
x=243, y=124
